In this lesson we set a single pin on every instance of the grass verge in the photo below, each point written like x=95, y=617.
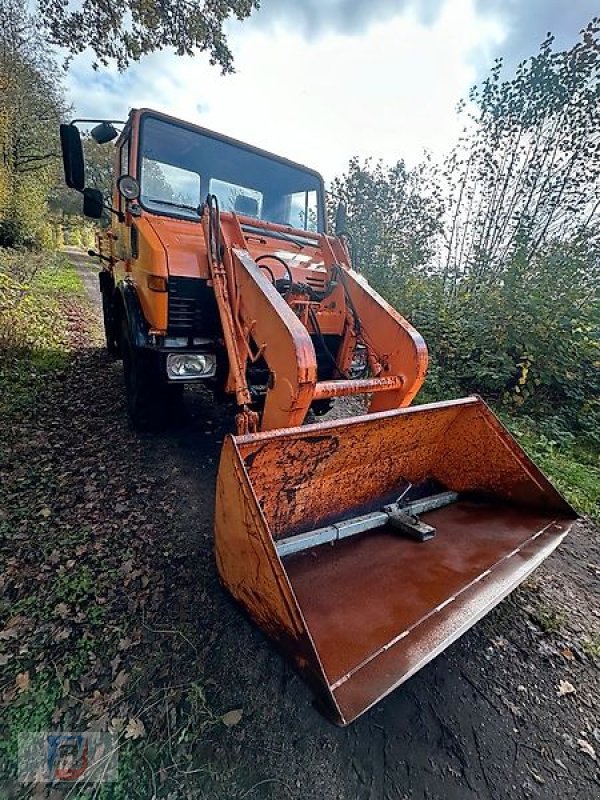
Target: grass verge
x=34, y=329
x=570, y=463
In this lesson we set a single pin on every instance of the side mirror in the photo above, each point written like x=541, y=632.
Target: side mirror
x=104, y=132
x=341, y=219
x=72, y=155
x=93, y=203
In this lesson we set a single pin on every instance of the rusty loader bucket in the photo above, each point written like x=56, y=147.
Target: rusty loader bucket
x=366, y=546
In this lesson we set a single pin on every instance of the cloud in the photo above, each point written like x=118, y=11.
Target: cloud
x=528, y=21
x=347, y=17
x=320, y=81
x=389, y=93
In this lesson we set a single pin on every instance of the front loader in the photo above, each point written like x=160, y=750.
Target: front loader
x=362, y=546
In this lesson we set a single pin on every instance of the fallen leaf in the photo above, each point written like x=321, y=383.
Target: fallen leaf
x=135, y=729
x=45, y=512
x=62, y=634
x=232, y=717
x=512, y=707
x=586, y=748
x=23, y=681
x=121, y=679
x=567, y=653
x=565, y=687
x=62, y=609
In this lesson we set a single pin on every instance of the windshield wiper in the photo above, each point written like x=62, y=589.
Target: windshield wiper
x=173, y=205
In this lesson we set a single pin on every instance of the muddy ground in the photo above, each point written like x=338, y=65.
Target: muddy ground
x=484, y=720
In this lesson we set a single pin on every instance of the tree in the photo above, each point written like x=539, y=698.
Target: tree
x=527, y=169
x=125, y=31
x=394, y=215
x=496, y=258
x=31, y=107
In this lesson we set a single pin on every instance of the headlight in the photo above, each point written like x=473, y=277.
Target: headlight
x=187, y=366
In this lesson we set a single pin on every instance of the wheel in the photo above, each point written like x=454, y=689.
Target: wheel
x=148, y=394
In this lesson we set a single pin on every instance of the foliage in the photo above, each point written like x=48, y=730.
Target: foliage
x=30, y=712
x=24, y=277
x=591, y=646
x=531, y=341
x=31, y=106
x=571, y=464
x=395, y=216
x=125, y=31
x=33, y=327
x=527, y=169
x=496, y=259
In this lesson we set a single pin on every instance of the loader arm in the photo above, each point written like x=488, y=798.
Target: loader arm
x=259, y=323
x=283, y=342
x=397, y=350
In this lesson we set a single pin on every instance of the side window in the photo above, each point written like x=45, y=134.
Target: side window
x=123, y=170
x=125, y=158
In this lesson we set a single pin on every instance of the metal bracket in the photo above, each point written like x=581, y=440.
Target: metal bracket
x=409, y=524
x=402, y=517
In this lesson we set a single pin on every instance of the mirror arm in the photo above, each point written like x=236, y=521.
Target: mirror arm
x=94, y=254
x=112, y=121
x=118, y=214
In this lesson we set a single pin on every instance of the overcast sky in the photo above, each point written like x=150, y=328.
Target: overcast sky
x=319, y=81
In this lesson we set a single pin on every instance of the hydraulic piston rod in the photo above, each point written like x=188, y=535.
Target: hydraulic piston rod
x=402, y=516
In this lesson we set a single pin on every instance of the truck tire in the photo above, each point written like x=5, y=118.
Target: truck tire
x=147, y=393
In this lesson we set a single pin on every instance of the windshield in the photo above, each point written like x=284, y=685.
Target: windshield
x=179, y=166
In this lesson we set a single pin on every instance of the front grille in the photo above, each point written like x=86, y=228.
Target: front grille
x=184, y=314
x=192, y=308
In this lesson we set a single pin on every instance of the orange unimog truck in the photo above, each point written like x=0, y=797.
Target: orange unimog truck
x=364, y=546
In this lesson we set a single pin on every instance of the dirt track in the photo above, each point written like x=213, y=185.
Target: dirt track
x=484, y=720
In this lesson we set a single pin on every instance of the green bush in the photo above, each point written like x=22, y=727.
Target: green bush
x=530, y=340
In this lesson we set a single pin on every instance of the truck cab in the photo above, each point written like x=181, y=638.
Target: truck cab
x=217, y=266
